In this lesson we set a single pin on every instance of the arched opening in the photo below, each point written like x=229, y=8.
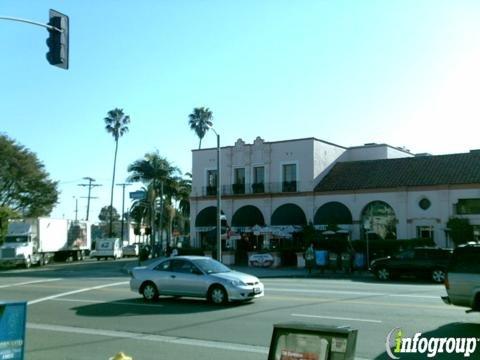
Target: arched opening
x=333, y=213
x=378, y=221
x=206, y=226
x=289, y=214
x=246, y=223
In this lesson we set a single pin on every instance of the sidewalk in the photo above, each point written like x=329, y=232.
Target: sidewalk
x=279, y=272
x=294, y=272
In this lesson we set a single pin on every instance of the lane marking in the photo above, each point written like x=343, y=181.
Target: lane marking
x=76, y=292
x=313, y=291
x=343, y=292
x=28, y=283
x=336, y=301
x=151, y=337
x=336, y=318
x=416, y=296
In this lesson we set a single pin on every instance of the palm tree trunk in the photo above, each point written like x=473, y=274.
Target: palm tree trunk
x=110, y=233
x=200, y=144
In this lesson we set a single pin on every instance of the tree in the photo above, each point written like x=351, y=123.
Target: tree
x=461, y=231
x=107, y=216
x=106, y=212
x=25, y=187
x=117, y=125
x=200, y=121
x=160, y=178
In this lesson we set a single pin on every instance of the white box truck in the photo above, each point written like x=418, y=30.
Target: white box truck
x=38, y=240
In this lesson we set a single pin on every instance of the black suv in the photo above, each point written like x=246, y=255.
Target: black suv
x=421, y=262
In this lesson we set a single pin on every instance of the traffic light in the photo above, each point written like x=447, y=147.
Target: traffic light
x=58, y=40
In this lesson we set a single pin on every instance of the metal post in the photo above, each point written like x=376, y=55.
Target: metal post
x=123, y=185
x=161, y=216
x=76, y=208
x=368, y=250
x=219, y=210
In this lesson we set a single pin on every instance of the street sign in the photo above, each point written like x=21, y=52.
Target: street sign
x=12, y=330
x=137, y=195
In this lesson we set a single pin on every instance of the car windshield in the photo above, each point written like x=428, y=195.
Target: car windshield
x=16, y=239
x=211, y=266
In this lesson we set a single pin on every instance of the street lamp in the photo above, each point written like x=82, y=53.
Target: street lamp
x=367, y=227
x=123, y=213
x=219, y=198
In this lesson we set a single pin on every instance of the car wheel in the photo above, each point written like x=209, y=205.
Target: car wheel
x=438, y=276
x=217, y=295
x=383, y=274
x=150, y=291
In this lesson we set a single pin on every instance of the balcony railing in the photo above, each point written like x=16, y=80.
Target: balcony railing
x=253, y=188
x=238, y=188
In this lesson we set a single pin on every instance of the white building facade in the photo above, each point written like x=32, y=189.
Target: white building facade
x=374, y=188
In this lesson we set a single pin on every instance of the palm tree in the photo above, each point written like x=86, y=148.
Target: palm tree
x=161, y=178
x=117, y=125
x=200, y=121
x=183, y=197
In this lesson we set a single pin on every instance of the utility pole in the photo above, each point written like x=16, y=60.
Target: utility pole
x=76, y=208
x=90, y=185
x=123, y=185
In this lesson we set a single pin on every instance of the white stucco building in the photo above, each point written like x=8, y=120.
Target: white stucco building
x=374, y=188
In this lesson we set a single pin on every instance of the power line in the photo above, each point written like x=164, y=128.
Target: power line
x=90, y=185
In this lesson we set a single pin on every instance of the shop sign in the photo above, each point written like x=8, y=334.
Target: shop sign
x=261, y=260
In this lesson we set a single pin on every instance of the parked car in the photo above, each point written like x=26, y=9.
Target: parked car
x=194, y=276
x=463, y=278
x=420, y=262
x=131, y=250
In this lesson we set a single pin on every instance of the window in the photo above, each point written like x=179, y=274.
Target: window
x=424, y=204
x=258, y=175
x=289, y=175
x=258, y=185
x=239, y=181
x=425, y=232
x=211, y=182
x=468, y=206
x=182, y=266
x=466, y=260
x=239, y=176
x=164, y=266
x=406, y=255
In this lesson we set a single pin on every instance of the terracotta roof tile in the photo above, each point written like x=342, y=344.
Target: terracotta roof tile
x=404, y=172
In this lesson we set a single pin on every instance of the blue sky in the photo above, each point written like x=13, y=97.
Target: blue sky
x=400, y=72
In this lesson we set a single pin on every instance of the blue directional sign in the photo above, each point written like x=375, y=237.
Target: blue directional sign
x=12, y=330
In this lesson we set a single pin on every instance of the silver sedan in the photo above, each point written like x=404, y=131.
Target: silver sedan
x=194, y=276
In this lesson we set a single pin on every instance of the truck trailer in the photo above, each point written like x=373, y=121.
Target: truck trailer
x=36, y=241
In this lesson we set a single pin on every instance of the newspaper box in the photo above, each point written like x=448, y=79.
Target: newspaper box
x=300, y=341
x=12, y=330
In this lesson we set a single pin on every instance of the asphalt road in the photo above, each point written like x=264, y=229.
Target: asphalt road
x=87, y=311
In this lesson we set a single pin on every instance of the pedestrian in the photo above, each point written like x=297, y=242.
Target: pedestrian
x=174, y=252
x=168, y=251
x=310, y=258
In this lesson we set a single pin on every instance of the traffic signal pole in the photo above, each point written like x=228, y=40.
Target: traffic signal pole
x=58, y=40
x=47, y=26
